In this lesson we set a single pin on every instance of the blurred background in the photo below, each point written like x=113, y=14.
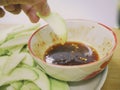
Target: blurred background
x=104, y=11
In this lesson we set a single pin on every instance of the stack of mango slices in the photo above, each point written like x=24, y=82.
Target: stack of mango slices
x=18, y=70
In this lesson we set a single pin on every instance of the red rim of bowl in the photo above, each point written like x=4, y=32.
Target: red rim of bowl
x=88, y=64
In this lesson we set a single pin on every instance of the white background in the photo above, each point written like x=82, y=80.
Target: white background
x=104, y=11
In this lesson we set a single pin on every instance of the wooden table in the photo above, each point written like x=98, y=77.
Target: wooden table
x=113, y=78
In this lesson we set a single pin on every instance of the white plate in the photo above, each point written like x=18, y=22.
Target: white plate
x=95, y=83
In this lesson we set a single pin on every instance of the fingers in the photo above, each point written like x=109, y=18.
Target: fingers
x=8, y=2
x=15, y=9
x=39, y=5
x=29, y=7
x=2, y=12
x=30, y=12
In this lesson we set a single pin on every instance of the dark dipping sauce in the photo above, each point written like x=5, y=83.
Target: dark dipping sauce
x=71, y=53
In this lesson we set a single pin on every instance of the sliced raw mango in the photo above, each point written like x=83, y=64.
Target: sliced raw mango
x=28, y=60
x=4, y=87
x=13, y=86
x=29, y=86
x=4, y=52
x=24, y=48
x=17, y=36
x=8, y=51
x=24, y=34
x=17, y=85
x=42, y=82
x=16, y=49
x=8, y=87
x=3, y=60
x=18, y=74
x=0, y=72
x=23, y=29
x=18, y=70
x=4, y=33
x=15, y=42
x=58, y=85
x=58, y=25
x=12, y=62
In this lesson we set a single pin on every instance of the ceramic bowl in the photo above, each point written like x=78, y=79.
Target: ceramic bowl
x=95, y=34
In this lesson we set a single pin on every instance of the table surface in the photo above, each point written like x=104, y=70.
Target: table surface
x=113, y=78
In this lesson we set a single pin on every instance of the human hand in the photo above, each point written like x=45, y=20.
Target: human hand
x=30, y=7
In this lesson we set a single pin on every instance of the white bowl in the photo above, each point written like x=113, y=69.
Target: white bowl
x=97, y=35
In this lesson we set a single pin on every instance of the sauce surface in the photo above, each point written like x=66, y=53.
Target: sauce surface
x=71, y=53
